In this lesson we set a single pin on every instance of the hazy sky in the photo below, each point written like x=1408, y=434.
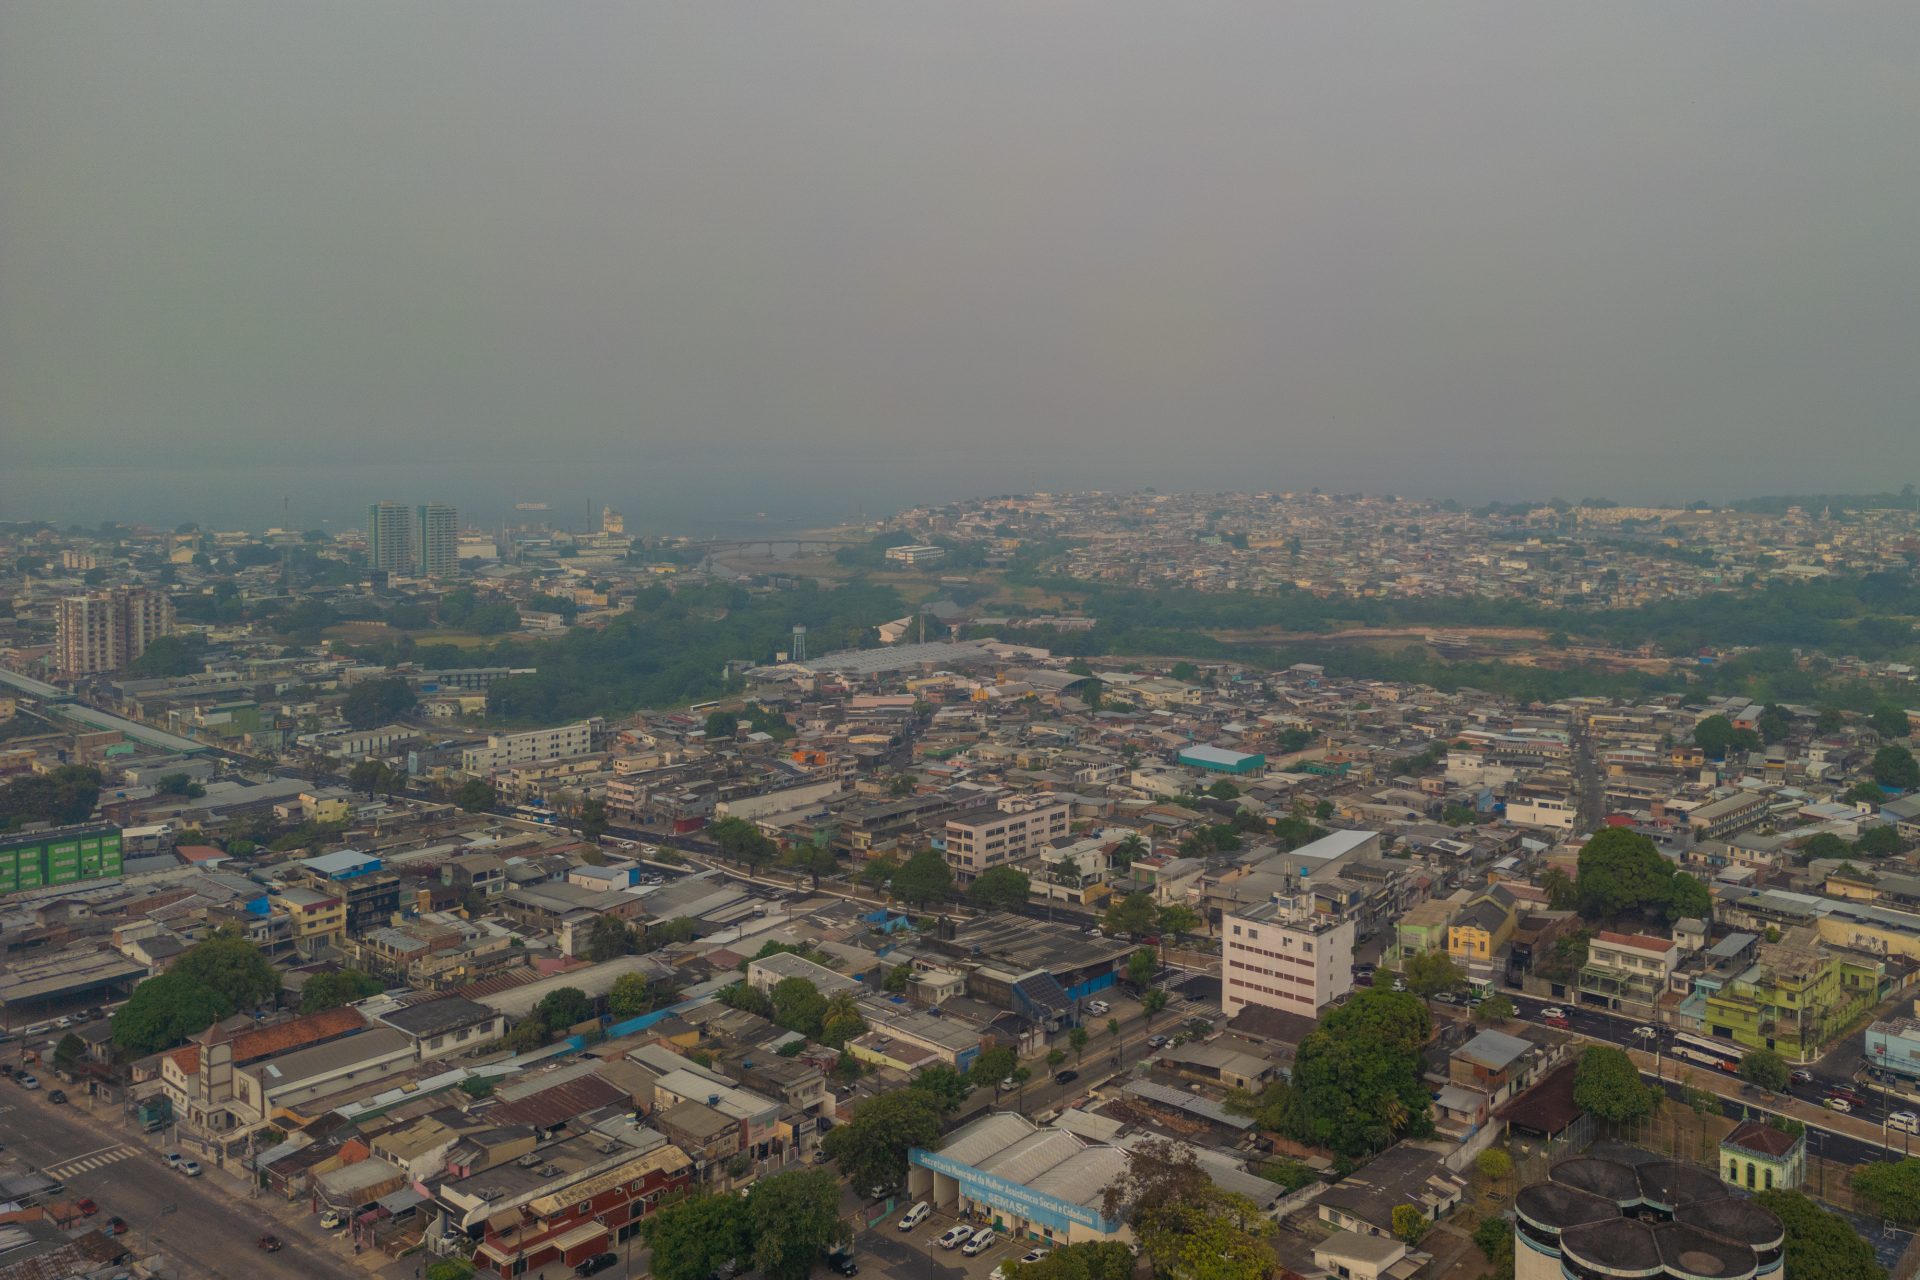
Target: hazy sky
x=815, y=257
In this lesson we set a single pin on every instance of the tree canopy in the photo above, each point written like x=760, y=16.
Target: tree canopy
x=792, y=1218
x=1820, y=1245
x=1622, y=871
x=372, y=703
x=923, y=879
x=1004, y=888
x=61, y=796
x=1765, y=1068
x=1357, y=1083
x=1892, y=1188
x=871, y=1147
x=1894, y=766
x=696, y=1237
x=331, y=990
x=1185, y=1224
x=1132, y=915
x=1608, y=1085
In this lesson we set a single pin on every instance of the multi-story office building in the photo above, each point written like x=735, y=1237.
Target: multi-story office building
x=1017, y=830
x=1280, y=957
x=390, y=537
x=106, y=630
x=436, y=540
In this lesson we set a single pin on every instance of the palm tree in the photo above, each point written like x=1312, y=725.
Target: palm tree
x=840, y=1004
x=1078, y=1038
x=1130, y=847
x=1113, y=1027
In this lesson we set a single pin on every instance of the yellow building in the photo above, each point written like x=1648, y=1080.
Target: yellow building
x=314, y=917
x=1483, y=927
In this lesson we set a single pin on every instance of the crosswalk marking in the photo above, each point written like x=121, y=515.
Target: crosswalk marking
x=92, y=1160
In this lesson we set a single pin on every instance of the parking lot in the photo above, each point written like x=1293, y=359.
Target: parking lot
x=908, y=1255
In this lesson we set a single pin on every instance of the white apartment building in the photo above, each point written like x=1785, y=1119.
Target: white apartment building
x=1551, y=812
x=106, y=630
x=1018, y=829
x=1277, y=957
x=1627, y=972
x=504, y=750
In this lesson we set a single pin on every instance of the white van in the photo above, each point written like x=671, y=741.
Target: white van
x=915, y=1216
x=1903, y=1122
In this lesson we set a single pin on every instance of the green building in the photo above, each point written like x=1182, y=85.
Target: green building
x=1788, y=1000
x=1759, y=1157
x=61, y=855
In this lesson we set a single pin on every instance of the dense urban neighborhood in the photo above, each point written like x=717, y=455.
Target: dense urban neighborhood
x=1053, y=887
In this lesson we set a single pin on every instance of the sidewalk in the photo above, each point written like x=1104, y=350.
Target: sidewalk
x=1814, y=1117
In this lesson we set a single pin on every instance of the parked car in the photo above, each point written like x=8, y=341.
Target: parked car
x=1099, y=1008
x=270, y=1243
x=1156, y=1042
x=1032, y=1256
x=1839, y=1104
x=596, y=1264
x=1006, y=1084
x=983, y=1240
x=1447, y=997
x=57, y=1097
x=63, y=1023
x=332, y=1219
x=26, y=1080
x=189, y=1167
x=1066, y=1077
x=955, y=1236
x=86, y=1206
x=915, y=1216
x=841, y=1262
x=1553, y=1011
x=174, y=1159
x=115, y=1226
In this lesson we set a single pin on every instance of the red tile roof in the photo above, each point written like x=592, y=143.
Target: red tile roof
x=263, y=1042
x=1640, y=941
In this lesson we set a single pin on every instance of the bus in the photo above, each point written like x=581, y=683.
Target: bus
x=532, y=813
x=1705, y=1052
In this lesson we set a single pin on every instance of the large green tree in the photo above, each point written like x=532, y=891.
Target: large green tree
x=607, y=937
x=232, y=968
x=1428, y=973
x=476, y=795
x=871, y=1147
x=1088, y=1260
x=1607, y=1084
x=1820, y=1245
x=1765, y=1068
x=562, y=1008
x=1621, y=871
x=163, y=1012
x=923, y=879
x=1357, y=1083
x=798, y=1006
x=1891, y=1188
x=331, y=990
x=1889, y=720
x=61, y=796
x=372, y=703
x=1188, y=1227
x=1894, y=766
x=794, y=1218
x=631, y=996
x=1001, y=888
x=696, y=1237
x=742, y=842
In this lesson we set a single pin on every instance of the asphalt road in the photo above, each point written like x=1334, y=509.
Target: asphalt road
x=1828, y=1074
x=196, y=1224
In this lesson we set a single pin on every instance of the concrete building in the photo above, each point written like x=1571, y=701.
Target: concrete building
x=1721, y=818
x=1758, y=1156
x=1661, y=1218
x=1028, y=1182
x=107, y=630
x=505, y=750
x=1278, y=957
x=1627, y=972
x=390, y=537
x=436, y=540
x=1016, y=830
x=916, y=554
